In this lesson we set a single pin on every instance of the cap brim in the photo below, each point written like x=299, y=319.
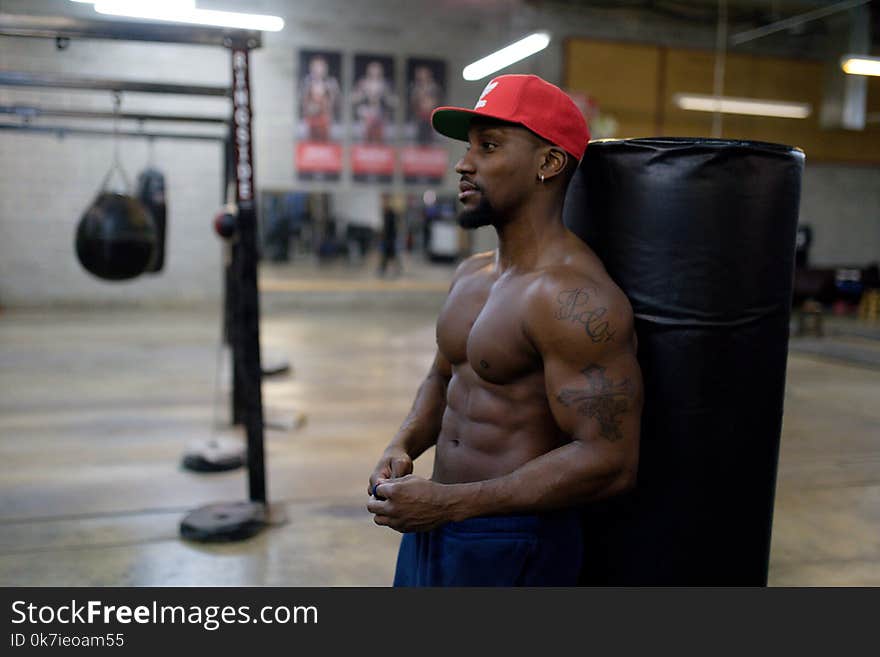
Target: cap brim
x=453, y=122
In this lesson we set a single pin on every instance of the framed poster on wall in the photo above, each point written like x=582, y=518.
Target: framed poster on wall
x=373, y=108
x=319, y=130
x=424, y=158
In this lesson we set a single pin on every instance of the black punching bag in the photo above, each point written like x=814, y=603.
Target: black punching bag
x=151, y=194
x=700, y=235
x=115, y=238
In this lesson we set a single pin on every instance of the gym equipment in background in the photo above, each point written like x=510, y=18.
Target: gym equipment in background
x=239, y=520
x=115, y=238
x=217, y=453
x=151, y=194
x=700, y=235
x=226, y=223
x=223, y=521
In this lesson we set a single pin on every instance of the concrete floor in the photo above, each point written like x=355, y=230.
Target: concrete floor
x=97, y=408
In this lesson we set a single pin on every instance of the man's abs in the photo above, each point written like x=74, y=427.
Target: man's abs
x=490, y=430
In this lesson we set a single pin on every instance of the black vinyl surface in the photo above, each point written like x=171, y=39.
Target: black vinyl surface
x=151, y=194
x=700, y=235
x=115, y=237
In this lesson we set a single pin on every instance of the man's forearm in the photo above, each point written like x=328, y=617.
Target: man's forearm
x=570, y=475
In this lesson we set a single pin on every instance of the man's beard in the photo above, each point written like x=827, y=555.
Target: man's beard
x=482, y=215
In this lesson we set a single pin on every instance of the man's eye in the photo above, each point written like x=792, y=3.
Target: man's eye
x=488, y=146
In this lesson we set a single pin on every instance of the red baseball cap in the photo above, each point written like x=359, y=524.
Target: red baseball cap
x=527, y=100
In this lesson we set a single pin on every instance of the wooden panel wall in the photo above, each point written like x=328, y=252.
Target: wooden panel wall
x=623, y=77
x=636, y=82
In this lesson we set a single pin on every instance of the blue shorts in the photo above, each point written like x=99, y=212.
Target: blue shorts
x=532, y=550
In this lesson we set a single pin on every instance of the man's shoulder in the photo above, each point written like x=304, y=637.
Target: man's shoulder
x=565, y=303
x=560, y=284
x=473, y=263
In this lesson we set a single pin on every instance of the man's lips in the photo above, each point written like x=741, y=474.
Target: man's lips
x=466, y=190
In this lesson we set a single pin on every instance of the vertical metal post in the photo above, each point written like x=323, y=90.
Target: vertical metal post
x=247, y=307
x=241, y=520
x=236, y=400
x=720, y=62
x=230, y=289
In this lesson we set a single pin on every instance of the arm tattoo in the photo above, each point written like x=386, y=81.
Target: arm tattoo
x=602, y=399
x=573, y=307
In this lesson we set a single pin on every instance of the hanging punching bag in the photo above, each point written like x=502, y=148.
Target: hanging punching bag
x=700, y=235
x=115, y=238
x=151, y=194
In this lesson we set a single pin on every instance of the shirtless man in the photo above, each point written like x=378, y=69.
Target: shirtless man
x=534, y=397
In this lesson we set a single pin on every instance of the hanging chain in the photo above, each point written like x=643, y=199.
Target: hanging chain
x=117, y=161
x=117, y=105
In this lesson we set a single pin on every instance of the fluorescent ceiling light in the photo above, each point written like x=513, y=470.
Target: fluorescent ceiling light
x=185, y=12
x=506, y=56
x=181, y=4
x=753, y=106
x=860, y=65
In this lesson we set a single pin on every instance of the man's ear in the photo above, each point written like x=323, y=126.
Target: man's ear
x=553, y=163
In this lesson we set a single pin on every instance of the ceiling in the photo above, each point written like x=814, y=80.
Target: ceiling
x=742, y=14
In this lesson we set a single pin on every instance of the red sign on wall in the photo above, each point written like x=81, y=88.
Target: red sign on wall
x=371, y=163
x=319, y=160
x=425, y=164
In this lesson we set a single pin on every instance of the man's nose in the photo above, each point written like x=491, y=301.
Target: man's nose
x=464, y=165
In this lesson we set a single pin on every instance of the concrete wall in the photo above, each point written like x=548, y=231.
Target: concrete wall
x=46, y=183
x=842, y=204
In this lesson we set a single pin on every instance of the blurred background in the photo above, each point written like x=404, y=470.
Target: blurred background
x=106, y=387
